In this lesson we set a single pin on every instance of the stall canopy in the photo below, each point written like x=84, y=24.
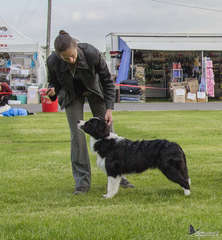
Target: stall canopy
x=174, y=42
x=14, y=42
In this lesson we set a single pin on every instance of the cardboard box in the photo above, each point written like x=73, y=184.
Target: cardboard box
x=192, y=84
x=191, y=97
x=174, y=85
x=201, y=97
x=179, y=94
x=33, y=95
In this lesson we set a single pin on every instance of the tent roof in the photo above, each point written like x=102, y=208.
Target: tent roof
x=173, y=42
x=12, y=40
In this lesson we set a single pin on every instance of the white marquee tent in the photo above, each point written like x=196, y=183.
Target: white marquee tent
x=17, y=44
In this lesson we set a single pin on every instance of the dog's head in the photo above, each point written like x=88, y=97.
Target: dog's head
x=95, y=127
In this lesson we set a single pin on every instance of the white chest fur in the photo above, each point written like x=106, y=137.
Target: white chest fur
x=101, y=163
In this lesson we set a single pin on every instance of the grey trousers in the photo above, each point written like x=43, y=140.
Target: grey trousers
x=79, y=152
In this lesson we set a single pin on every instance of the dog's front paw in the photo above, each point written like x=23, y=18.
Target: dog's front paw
x=106, y=196
x=186, y=192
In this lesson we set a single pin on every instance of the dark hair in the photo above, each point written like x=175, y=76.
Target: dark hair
x=64, y=41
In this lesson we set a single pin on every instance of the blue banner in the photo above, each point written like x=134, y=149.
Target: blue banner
x=125, y=62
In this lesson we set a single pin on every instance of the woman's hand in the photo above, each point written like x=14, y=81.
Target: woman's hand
x=108, y=116
x=51, y=92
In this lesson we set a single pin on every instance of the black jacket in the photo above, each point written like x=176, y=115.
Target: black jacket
x=91, y=69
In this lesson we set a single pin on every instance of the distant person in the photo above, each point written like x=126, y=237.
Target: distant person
x=75, y=72
x=5, y=93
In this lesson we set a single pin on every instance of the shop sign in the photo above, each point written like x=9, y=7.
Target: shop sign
x=3, y=32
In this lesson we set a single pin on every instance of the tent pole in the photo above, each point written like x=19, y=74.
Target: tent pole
x=48, y=29
x=132, y=71
x=202, y=59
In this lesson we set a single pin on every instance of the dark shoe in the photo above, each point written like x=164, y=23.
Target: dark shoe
x=81, y=190
x=125, y=183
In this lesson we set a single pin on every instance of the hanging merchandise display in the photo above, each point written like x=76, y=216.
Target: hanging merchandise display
x=210, y=78
x=5, y=64
x=21, y=62
x=207, y=80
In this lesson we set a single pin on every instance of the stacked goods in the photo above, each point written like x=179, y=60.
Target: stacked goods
x=140, y=76
x=140, y=73
x=193, y=94
x=129, y=92
x=187, y=91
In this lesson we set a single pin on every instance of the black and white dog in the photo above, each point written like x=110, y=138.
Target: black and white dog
x=118, y=156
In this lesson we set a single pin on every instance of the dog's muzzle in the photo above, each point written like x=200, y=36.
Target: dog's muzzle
x=80, y=123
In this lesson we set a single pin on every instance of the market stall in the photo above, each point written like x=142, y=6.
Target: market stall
x=21, y=64
x=160, y=62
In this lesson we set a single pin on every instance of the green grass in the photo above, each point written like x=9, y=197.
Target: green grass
x=36, y=184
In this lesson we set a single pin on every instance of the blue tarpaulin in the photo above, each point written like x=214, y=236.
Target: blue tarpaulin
x=12, y=112
x=125, y=62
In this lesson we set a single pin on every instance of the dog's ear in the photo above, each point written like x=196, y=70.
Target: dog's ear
x=98, y=128
x=105, y=128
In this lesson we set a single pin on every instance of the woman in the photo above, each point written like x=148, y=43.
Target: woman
x=77, y=71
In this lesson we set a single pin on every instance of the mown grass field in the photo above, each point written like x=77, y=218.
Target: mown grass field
x=36, y=184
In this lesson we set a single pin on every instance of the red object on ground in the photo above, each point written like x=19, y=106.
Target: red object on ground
x=47, y=104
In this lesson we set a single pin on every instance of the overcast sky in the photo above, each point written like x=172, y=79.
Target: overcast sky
x=90, y=20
